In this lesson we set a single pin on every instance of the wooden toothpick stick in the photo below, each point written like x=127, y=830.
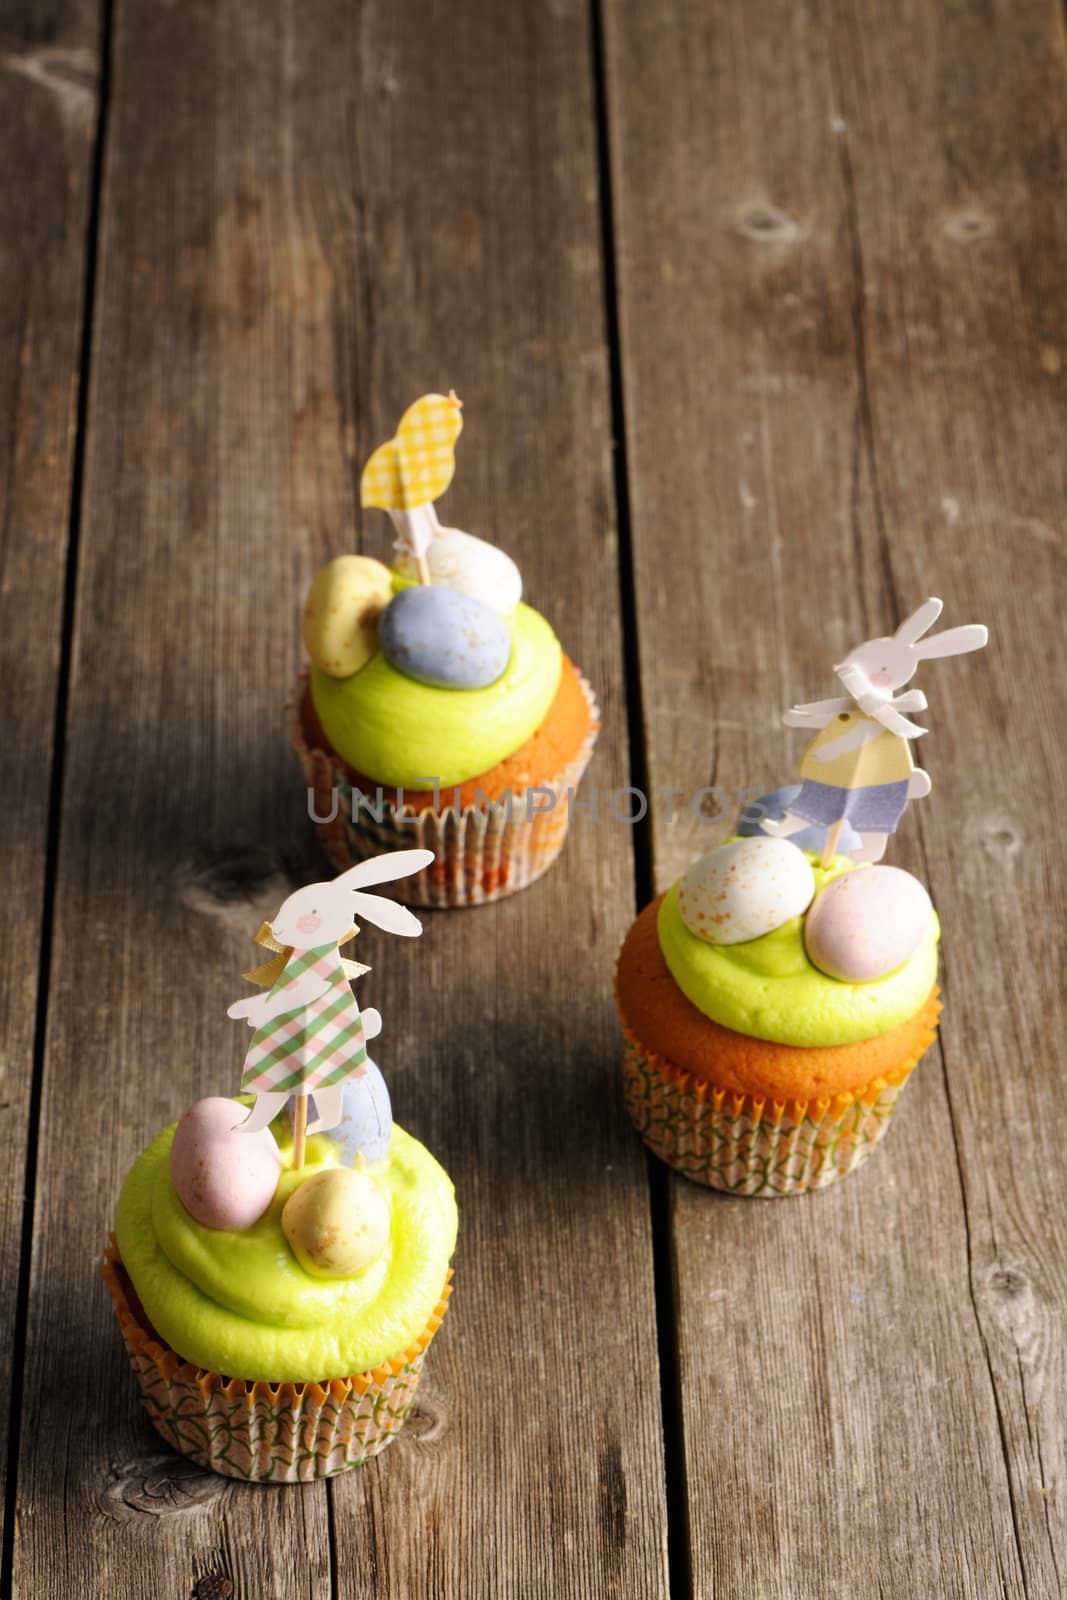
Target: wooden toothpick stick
x=829, y=849
x=300, y=1123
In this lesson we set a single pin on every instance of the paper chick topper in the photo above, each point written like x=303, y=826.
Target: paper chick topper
x=858, y=768
x=310, y=1035
x=409, y=472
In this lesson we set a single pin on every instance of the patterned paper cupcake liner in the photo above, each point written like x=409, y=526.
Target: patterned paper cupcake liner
x=749, y=1146
x=262, y=1432
x=481, y=854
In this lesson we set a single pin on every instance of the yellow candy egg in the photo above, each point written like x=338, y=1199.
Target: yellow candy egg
x=336, y=1222
x=340, y=613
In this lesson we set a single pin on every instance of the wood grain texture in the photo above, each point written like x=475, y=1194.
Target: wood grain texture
x=311, y=214
x=48, y=106
x=840, y=238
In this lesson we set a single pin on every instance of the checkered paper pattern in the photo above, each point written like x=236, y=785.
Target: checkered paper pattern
x=417, y=466
x=312, y=1046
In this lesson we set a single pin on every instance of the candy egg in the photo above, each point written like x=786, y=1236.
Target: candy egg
x=745, y=889
x=867, y=923
x=336, y=1222
x=340, y=613
x=458, y=560
x=224, y=1178
x=366, y=1124
x=444, y=638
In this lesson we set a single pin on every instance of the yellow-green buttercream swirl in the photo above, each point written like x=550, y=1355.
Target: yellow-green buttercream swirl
x=402, y=733
x=769, y=989
x=240, y=1303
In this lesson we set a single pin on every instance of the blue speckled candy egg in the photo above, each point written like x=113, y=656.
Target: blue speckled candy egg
x=366, y=1124
x=446, y=639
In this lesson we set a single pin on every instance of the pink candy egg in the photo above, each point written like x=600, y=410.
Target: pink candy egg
x=867, y=923
x=224, y=1179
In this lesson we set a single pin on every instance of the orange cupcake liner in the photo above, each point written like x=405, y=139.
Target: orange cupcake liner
x=754, y=1145
x=480, y=854
x=265, y=1432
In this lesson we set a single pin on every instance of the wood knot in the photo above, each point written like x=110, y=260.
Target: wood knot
x=999, y=836
x=1008, y=1283
x=712, y=804
x=425, y=1420
x=767, y=224
x=233, y=877
x=969, y=225
x=213, y=1586
x=159, y=1486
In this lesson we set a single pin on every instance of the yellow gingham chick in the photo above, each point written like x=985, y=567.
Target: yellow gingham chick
x=417, y=465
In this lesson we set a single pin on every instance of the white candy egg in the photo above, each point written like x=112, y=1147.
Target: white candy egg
x=745, y=889
x=460, y=561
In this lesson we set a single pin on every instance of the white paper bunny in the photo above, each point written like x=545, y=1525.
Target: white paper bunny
x=859, y=766
x=310, y=1034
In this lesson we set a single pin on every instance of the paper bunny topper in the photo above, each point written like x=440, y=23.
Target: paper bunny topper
x=310, y=1034
x=858, y=768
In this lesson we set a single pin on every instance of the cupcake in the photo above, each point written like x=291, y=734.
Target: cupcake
x=775, y=1001
x=747, y=1066
x=438, y=710
x=277, y=1280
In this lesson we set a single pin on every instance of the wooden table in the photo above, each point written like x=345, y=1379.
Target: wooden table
x=759, y=313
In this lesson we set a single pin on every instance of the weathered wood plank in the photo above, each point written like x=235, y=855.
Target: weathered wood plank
x=840, y=243
x=48, y=104
x=310, y=214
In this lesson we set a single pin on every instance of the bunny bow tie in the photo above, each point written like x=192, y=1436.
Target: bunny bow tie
x=884, y=709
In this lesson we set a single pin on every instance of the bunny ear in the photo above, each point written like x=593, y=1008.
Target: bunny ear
x=953, y=642
x=916, y=625
x=387, y=914
x=384, y=869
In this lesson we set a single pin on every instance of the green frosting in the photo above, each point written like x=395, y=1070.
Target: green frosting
x=767, y=988
x=241, y=1303
x=400, y=732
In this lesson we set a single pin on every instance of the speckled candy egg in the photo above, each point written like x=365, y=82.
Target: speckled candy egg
x=340, y=613
x=459, y=561
x=366, y=1124
x=223, y=1178
x=336, y=1222
x=745, y=889
x=867, y=923
x=444, y=638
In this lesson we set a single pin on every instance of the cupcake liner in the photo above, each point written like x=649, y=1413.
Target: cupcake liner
x=480, y=855
x=750, y=1146
x=263, y=1432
